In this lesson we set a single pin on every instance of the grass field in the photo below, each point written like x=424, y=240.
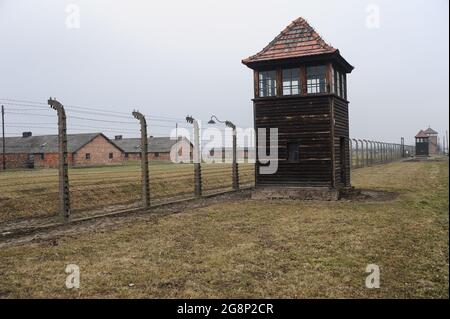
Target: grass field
x=244, y=248
x=34, y=193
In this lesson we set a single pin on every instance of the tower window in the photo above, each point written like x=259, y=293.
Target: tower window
x=344, y=86
x=337, y=82
x=316, y=79
x=292, y=152
x=333, y=80
x=111, y=155
x=88, y=156
x=267, y=83
x=291, y=81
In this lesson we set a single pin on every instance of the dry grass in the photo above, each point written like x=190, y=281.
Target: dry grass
x=259, y=249
x=34, y=193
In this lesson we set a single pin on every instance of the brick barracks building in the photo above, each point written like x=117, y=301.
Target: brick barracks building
x=92, y=149
x=158, y=148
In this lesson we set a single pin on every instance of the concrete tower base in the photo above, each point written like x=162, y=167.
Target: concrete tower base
x=294, y=192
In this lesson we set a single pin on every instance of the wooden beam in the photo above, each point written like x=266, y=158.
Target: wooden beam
x=256, y=83
x=333, y=153
x=303, y=80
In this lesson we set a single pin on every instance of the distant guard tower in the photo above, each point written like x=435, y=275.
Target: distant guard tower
x=300, y=87
x=433, y=148
x=422, y=144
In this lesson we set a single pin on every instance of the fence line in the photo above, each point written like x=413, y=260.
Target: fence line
x=365, y=152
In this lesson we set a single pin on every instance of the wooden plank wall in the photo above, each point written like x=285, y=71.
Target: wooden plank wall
x=341, y=130
x=305, y=120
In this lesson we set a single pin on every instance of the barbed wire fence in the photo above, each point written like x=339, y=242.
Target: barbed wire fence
x=364, y=153
x=118, y=182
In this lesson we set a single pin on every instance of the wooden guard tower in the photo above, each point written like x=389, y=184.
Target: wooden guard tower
x=300, y=87
x=422, y=143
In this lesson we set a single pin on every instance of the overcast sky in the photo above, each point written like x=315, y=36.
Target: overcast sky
x=172, y=58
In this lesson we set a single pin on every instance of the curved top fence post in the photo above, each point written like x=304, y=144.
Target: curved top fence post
x=145, y=179
x=64, y=194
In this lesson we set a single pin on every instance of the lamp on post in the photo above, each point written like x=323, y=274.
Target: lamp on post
x=229, y=124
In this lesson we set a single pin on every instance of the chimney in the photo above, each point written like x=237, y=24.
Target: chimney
x=118, y=137
x=26, y=134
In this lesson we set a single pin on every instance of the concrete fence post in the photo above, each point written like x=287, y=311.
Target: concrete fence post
x=350, y=145
x=402, y=147
x=356, y=153
x=372, y=150
x=63, y=166
x=145, y=179
x=197, y=157
x=3, y=139
x=376, y=151
x=388, y=152
x=362, y=153
x=367, y=153
x=381, y=152
x=235, y=167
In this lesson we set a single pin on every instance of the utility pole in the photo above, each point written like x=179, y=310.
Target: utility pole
x=197, y=157
x=145, y=179
x=3, y=138
x=64, y=194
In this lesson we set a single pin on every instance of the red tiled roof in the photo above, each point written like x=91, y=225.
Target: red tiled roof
x=430, y=131
x=421, y=134
x=298, y=39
